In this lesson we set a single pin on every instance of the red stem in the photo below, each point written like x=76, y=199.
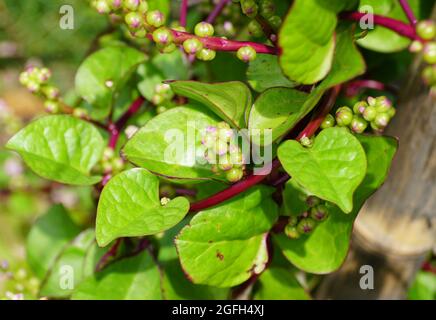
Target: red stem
x=183, y=13
x=409, y=12
x=355, y=87
x=217, y=10
x=252, y=179
x=398, y=26
x=112, y=252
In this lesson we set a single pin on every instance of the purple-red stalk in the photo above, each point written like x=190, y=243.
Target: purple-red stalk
x=183, y=13
x=217, y=10
x=409, y=12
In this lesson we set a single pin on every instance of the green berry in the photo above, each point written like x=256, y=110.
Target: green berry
x=428, y=75
x=206, y=54
x=143, y=7
x=375, y=127
x=102, y=6
x=167, y=48
x=134, y=20
x=306, y=142
x=360, y=107
x=344, y=116
x=50, y=92
x=328, y=122
x=372, y=101
x=293, y=221
x=275, y=22
x=224, y=163
x=383, y=104
x=416, y=46
x=246, y=54
x=141, y=33
x=391, y=112
x=52, y=106
x=108, y=154
x=237, y=158
x=267, y=8
x=131, y=5
x=192, y=46
x=249, y=8
x=292, y=232
x=358, y=124
x=155, y=18
x=204, y=29
x=234, y=175
x=306, y=226
x=255, y=29
x=80, y=113
x=430, y=53
x=221, y=147
x=319, y=213
x=370, y=113
x=115, y=4
x=426, y=29
x=163, y=36
x=382, y=120
x=313, y=201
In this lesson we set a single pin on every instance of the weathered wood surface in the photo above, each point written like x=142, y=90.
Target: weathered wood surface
x=397, y=228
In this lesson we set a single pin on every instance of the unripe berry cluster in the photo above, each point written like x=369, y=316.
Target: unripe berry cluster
x=110, y=163
x=18, y=283
x=162, y=97
x=426, y=30
x=219, y=151
x=36, y=80
x=263, y=8
x=376, y=112
x=305, y=223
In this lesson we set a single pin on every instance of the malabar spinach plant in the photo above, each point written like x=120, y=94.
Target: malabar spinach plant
x=167, y=105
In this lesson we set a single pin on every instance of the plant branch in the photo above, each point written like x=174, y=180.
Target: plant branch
x=220, y=44
x=252, y=179
x=70, y=110
x=111, y=253
x=183, y=13
x=397, y=26
x=267, y=29
x=355, y=87
x=409, y=12
x=217, y=10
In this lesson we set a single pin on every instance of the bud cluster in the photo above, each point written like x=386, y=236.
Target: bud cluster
x=36, y=80
x=110, y=163
x=376, y=112
x=263, y=8
x=162, y=97
x=219, y=151
x=426, y=30
x=18, y=283
x=305, y=223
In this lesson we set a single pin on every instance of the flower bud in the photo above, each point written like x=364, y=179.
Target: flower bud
x=102, y=6
x=426, y=29
x=51, y=106
x=206, y=54
x=344, y=116
x=319, y=213
x=383, y=104
x=430, y=53
x=292, y=232
x=313, y=201
x=234, y=175
x=275, y=22
x=328, y=122
x=155, y=18
x=267, y=8
x=306, y=226
x=246, y=54
x=360, y=107
x=204, y=29
x=358, y=124
x=163, y=36
x=192, y=46
x=416, y=46
x=382, y=120
x=370, y=113
x=255, y=29
x=131, y=5
x=134, y=20
x=249, y=8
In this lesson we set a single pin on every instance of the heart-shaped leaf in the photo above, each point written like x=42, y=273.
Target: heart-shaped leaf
x=225, y=245
x=136, y=278
x=326, y=248
x=60, y=148
x=168, y=144
x=129, y=206
x=264, y=73
x=103, y=74
x=228, y=100
x=332, y=169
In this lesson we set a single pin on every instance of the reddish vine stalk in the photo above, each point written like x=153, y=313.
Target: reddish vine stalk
x=409, y=12
x=217, y=10
x=252, y=179
x=183, y=13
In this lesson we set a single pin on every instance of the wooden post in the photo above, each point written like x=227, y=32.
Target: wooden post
x=397, y=227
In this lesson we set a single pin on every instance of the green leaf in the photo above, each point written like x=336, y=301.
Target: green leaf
x=175, y=285
x=129, y=206
x=332, y=169
x=103, y=74
x=264, y=73
x=60, y=148
x=168, y=143
x=326, y=248
x=307, y=40
x=424, y=287
x=381, y=39
x=348, y=63
x=135, y=278
x=277, y=109
x=161, y=5
x=228, y=100
x=67, y=271
x=162, y=67
x=294, y=199
x=225, y=245
x=47, y=238
x=279, y=284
